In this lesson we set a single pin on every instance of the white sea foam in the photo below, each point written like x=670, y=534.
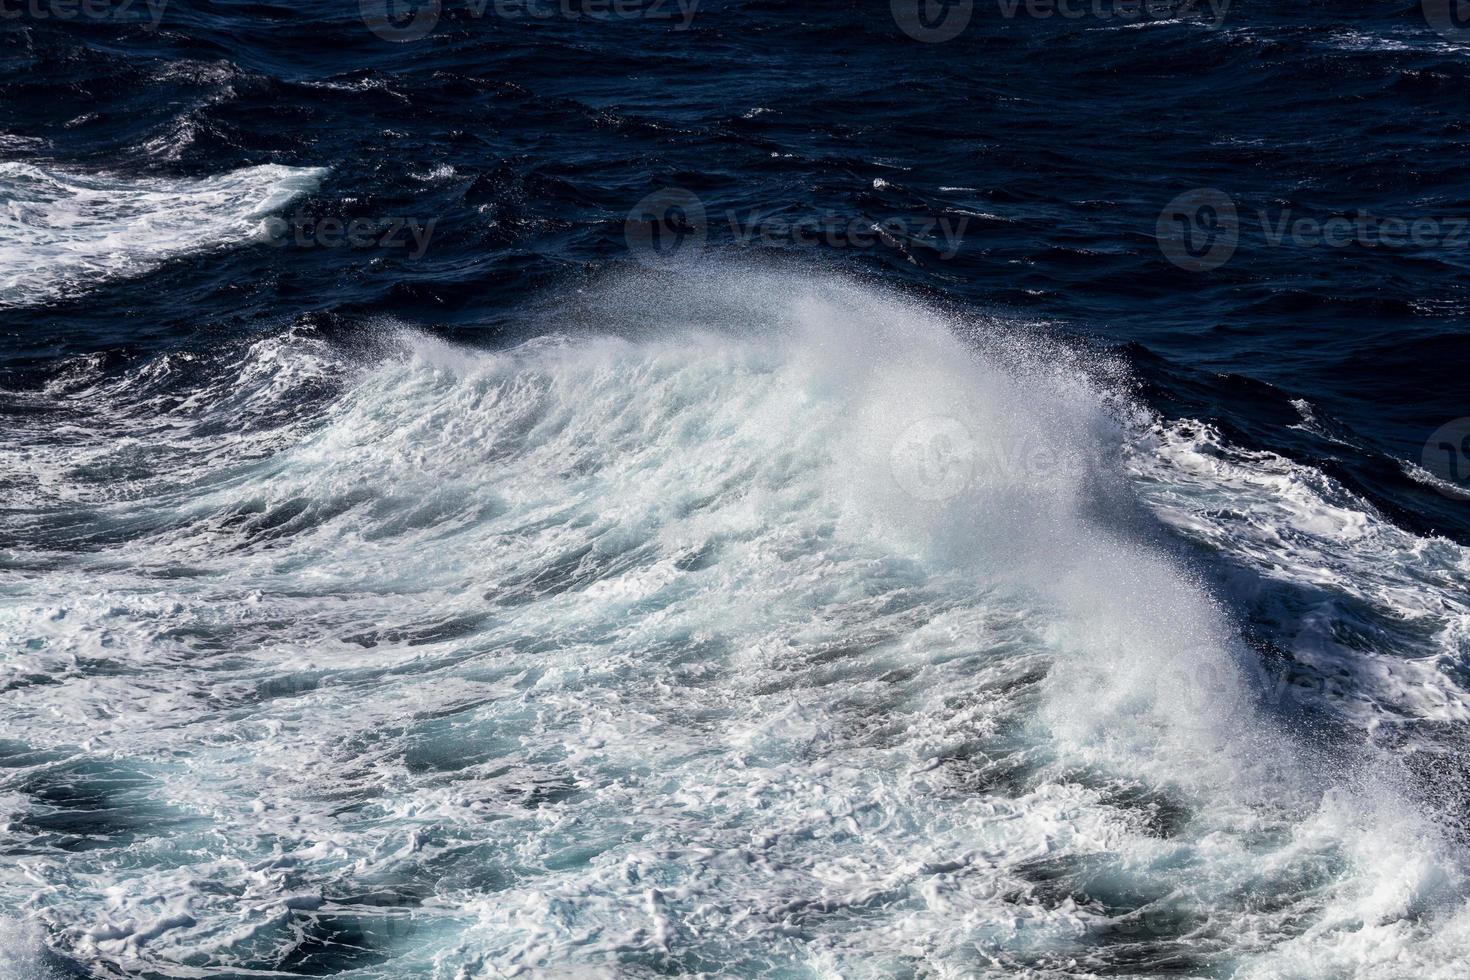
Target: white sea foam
x=23, y=953
x=1358, y=596
x=1419, y=474
x=62, y=232
x=774, y=630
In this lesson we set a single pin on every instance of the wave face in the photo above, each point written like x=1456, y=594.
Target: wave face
x=61, y=233
x=781, y=627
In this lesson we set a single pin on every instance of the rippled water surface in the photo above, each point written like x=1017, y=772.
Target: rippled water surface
x=746, y=489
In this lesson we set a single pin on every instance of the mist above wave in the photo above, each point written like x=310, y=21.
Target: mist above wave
x=743, y=620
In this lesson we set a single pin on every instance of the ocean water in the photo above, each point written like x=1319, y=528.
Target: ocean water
x=733, y=489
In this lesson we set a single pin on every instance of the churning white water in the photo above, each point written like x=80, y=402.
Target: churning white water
x=777, y=627
x=62, y=232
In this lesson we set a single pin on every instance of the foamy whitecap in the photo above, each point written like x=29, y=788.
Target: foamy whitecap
x=771, y=630
x=62, y=232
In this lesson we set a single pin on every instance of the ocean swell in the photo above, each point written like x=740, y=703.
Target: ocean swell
x=780, y=626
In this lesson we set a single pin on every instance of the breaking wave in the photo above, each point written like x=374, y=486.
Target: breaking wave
x=62, y=232
x=777, y=626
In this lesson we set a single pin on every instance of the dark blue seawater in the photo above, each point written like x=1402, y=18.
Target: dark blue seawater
x=527, y=139
x=505, y=588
